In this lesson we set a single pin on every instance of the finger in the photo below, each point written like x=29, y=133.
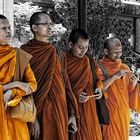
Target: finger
x=85, y=100
x=99, y=94
x=35, y=134
x=99, y=97
x=28, y=91
x=82, y=100
x=134, y=78
x=83, y=97
x=5, y=107
x=32, y=131
x=83, y=93
x=38, y=134
x=70, y=120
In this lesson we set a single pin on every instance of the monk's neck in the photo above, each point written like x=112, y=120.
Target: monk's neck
x=41, y=39
x=3, y=43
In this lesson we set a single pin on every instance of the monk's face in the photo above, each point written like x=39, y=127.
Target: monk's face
x=5, y=32
x=42, y=29
x=114, y=53
x=80, y=48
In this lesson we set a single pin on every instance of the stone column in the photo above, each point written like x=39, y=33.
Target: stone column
x=82, y=14
x=7, y=8
x=137, y=39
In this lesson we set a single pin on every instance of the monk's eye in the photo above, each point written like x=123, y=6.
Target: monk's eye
x=80, y=47
x=3, y=28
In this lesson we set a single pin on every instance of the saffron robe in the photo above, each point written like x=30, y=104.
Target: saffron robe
x=121, y=96
x=12, y=129
x=80, y=76
x=50, y=98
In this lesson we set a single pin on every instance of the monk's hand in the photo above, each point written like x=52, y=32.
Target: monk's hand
x=35, y=129
x=98, y=92
x=72, y=122
x=25, y=87
x=6, y=97
x=135, y=79
x=83, y=97
x=121, y=73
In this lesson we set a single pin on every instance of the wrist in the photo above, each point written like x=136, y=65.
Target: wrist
x=6, y=87
x=115, y=76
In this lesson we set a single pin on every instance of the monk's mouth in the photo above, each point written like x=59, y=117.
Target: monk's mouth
x=8, y=36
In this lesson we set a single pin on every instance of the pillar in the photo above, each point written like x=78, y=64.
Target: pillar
x=7, y=8
x=137, y=38
x=82, y=14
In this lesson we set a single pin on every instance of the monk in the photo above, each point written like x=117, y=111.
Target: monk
x=122, y=91
x=80, y=75
x=54, y=98
x=12, y=129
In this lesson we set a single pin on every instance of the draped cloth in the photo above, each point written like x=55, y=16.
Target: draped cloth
x=80, y=76
x=50, y=98
x=12, y=129
x=121, y=95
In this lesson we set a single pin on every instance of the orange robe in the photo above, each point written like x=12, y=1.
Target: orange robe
x=12, y=129
x=50, y=97
x=121, y=95
x=80, y=76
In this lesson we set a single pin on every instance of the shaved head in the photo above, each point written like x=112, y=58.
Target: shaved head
x=112, y=42
x=2, y=17
x=35, y=18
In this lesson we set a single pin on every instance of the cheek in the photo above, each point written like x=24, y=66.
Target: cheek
x=120, y=55
x=75, y=51
x=1, y=37
x=86, y=50
x=111, y=55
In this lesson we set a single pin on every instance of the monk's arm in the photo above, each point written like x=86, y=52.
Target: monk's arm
x=101, y=81
x=112, y=78
x=30, y=81
x=109, y=81
x=30, y=78
x=22, y=89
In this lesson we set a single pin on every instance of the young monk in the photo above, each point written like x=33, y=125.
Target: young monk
x=122, y=91
x=12, y=129
x=53, y=85
x=80, y=75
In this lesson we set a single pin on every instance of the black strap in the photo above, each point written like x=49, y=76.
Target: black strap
x=62, y=60
x=104, y=71
x=92, y=65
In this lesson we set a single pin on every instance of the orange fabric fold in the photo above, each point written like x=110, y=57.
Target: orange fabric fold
x=50, y=97
x=80, y=76
x=121, y=96
x=12, y=129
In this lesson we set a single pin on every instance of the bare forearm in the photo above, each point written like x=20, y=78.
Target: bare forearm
x=109, y=81
x=8, y=86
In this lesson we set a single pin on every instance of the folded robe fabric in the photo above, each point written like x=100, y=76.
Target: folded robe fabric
x=50, y=98
x=12, y=129
x=121, y=96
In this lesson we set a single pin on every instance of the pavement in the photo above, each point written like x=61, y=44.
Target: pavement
x=134, y=137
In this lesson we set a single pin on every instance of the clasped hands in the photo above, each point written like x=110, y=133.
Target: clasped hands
x=7, y=89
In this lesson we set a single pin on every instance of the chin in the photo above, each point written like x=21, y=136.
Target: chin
x=80, y=56
x=116, y=60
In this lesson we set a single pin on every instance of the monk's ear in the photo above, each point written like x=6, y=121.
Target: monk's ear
x=34, y=27
x=70, y=44
x=106, y=51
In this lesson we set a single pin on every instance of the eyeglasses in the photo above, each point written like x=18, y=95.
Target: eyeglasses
x=45, y=23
